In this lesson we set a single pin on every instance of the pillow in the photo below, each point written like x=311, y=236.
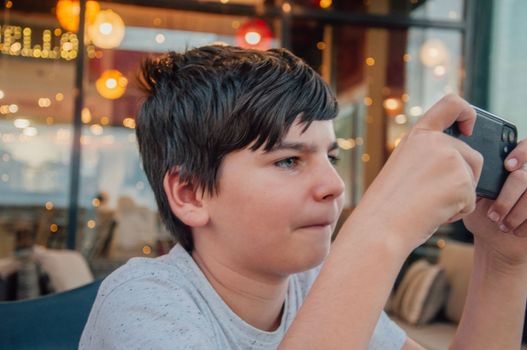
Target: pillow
x=421, y=294
x=456, y=259
x=67, y=269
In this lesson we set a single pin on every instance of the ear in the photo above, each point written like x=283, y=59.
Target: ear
x=185, y=200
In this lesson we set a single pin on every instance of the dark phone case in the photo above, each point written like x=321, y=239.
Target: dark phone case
x=491, y=137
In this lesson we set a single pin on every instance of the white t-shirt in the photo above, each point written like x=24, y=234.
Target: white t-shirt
x=167, y=303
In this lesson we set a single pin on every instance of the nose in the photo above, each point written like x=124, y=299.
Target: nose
x=329, y=185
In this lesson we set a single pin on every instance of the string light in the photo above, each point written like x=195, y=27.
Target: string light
x=392, y=106
x=439, y=71
x=129, y=123
x=44, y=102
x=48, y=205
x=160, y=38
x=400, y=119
x=30, y=131
x=346, y=144
x=86, y=115
x=96, y=129
x=21, y=123
x=433, y=53
x=416, y=111
x=105, y=120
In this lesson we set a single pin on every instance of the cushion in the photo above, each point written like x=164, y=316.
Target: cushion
x=67, y=269
x=457, y=259
x=421, y=294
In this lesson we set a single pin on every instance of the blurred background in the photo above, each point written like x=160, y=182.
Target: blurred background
x=70, y=173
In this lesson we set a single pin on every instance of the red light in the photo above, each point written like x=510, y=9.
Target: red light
x=254, y=34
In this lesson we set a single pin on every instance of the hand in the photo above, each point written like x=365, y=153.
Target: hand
x=501, y=225
x=429, y=179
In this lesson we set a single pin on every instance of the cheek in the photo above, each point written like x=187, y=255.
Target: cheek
x=258, y=207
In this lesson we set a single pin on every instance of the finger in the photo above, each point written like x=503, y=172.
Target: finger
x=518, y=157
x=513, y=189
x=473, y=158
x=447, y=111
x=517, y=216
x=521, y=231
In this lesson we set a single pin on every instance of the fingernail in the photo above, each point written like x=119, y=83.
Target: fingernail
x=511, y=163
x=504, y=228
x=494, y=216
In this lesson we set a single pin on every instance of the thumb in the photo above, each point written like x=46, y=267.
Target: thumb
x=447, y=111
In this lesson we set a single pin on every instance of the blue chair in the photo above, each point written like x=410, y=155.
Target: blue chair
x=53, y=321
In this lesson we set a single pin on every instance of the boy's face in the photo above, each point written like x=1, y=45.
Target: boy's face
x=275, y=211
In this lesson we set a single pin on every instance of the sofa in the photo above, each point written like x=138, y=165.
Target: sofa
x=429, y=300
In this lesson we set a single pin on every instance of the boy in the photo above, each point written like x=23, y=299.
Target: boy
x=239, y=148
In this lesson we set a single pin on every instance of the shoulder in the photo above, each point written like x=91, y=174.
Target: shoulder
x=149, y=302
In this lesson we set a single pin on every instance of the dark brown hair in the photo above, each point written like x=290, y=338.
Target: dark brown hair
x=212, y=100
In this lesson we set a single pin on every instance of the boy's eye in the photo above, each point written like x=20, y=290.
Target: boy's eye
x=287, y=163
x=333, y=159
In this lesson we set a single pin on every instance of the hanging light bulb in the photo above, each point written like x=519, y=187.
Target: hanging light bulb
x=111, y=84
x=67, y=12
x=254, y=34
x=107, y=31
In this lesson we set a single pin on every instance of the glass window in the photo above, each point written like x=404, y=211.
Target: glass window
x=111, y=168
x=386, y=79
x=37, y=71
x=508, y=83
x=444, y=10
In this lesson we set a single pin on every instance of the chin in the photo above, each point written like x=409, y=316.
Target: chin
x=309, y=258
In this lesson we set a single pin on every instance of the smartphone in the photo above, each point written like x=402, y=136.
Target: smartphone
x=494, y=138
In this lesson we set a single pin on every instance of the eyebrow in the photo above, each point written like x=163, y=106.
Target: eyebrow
x=301, y=147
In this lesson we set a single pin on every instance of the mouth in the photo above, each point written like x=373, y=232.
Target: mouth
x=322, y=224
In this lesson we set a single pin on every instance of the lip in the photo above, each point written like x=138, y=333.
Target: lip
x=317, y=224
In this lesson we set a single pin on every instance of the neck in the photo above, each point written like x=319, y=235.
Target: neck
x=257, y=300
